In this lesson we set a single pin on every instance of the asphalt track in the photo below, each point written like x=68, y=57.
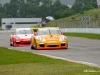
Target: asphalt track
x=80, y=49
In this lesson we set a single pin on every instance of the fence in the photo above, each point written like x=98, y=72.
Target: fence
x=91, y=26
x=94, y=23
x=81, y=30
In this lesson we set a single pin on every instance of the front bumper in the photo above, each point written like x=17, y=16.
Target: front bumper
x=22, y=42
x=52, y=45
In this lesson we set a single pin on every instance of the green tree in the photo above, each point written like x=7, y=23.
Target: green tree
x=87, y=6
x=94, y=3
x=45, y=8
x=24, y=10
x=1, y=8
x=14, y=6
x=77, y=7
x=60, y=10
x=83, y=5
x=56, y=6
x=36, y=8
x=33, y=2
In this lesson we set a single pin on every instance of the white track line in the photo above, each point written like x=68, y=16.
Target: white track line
x=80, y=62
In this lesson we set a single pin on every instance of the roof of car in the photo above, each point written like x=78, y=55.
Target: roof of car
x=34, y=28
x=17, y=29
x=49, y=28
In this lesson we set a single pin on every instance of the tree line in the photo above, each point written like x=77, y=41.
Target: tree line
x=43, y=8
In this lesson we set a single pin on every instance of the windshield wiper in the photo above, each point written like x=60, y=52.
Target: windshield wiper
x=50, y=33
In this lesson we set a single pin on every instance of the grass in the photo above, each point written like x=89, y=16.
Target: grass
x=1, y=28
x=85, y=35
x=36, y=26
x=13, y=62
x=52, y=23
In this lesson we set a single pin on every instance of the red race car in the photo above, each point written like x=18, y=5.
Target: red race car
x=21, y=37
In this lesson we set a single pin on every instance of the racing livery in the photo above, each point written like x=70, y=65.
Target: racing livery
x=21, y=37
x=49, y=38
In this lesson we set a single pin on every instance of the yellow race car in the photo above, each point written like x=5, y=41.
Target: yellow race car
x=49, y=38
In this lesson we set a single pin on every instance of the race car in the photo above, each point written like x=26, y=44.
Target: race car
x=21, y=37
x=49, y=38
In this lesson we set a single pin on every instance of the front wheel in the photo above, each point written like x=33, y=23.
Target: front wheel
x=32, y=47
x=13, y=43
x=35, y=45
x=10, y=42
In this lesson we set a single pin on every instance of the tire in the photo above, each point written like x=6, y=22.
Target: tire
x=10, y=43
x=67, y=46
x=35, y=45
x=32, y=47
x=13, y=44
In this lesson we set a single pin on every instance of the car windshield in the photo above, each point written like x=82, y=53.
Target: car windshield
x=55, y=31
x=43, y=32
x=48, y=31
x=24, y=32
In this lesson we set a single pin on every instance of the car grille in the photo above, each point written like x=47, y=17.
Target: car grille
x=53, y=45
x=23, y=43
x=26, y=43
x=42, y=45
x=17, y=42
x=62, y=44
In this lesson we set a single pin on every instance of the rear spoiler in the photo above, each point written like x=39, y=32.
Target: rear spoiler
x=35, y=29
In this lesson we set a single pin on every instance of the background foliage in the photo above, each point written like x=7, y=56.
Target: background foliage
x=43, y=8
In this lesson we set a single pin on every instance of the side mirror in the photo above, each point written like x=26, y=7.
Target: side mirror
x=35, y=33
x=63, y=33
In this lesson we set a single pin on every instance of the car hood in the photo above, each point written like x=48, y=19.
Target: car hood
x=24, y=36
x=51, y=37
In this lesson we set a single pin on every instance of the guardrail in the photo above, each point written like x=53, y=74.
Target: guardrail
x=82, y=30
x=5, y=31
x=93, y=23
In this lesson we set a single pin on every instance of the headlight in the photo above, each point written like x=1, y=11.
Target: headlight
x=40, y=39
x=63, y=38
